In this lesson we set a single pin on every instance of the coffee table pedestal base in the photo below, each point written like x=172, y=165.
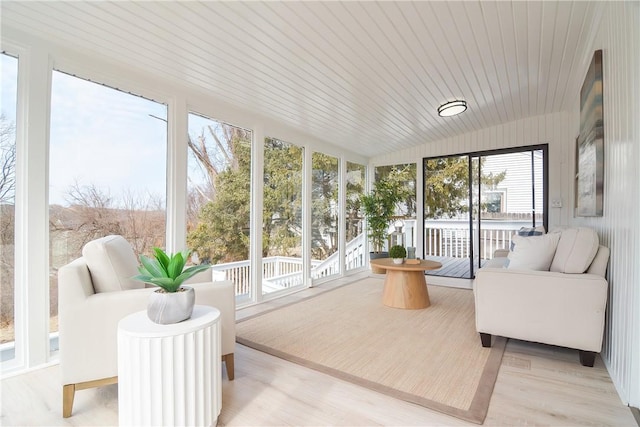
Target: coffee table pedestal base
x=405, y=289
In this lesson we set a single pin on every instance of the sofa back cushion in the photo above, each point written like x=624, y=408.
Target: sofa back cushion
x=112, y=263
x=533, y=252
x=576, y=249
x=599, y=264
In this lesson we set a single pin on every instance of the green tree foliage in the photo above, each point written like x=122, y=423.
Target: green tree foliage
x=324, y=205
x=282, y=213
x=446, y=186
x=355, y=188
x=380, y=205
x=402, y=180
x=221, y=232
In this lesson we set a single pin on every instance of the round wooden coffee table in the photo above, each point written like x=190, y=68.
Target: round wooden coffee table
x=404, y=284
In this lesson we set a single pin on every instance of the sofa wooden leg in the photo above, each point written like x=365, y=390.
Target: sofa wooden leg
x=68, y=393
x=587, y=358
x=228, y=362
x=485, y=339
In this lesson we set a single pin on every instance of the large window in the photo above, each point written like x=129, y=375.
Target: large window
x=324, y=216
x=355, y=238
x=98, y=165
x=107, y=171
x=282, y=216
x=219, y=199
x=9, y=85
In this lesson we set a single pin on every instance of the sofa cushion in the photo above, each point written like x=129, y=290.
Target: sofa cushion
x=112, y=264
x=576, y=249
x=527, y=231
x=533, y=252
x=531, y=231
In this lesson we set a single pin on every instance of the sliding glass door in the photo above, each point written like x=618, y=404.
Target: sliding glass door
x=446, y=214
x=474, y=202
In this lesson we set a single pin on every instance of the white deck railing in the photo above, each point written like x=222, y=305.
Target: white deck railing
x=354, y=258
x=279, y=272
x=455, y=242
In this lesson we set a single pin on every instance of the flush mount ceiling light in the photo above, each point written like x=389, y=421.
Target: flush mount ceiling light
x=452, y=108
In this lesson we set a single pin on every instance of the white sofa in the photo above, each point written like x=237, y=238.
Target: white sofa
x=564, y=306
x=95, y=292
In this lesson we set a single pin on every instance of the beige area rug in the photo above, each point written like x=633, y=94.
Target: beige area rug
x=431, y=357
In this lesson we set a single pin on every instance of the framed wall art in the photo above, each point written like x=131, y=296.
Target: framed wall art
x=590, y=143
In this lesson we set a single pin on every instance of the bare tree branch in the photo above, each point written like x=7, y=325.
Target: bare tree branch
x=7, y=160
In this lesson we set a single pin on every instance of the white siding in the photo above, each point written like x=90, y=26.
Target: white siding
x=517, y=182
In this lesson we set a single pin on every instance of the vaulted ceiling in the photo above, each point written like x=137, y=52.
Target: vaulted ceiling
x=364, y=75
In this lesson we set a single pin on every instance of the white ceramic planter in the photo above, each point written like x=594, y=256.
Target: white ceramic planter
x=398, y=260
x=171, y=307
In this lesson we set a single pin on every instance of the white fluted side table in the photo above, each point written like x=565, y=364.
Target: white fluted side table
x=170, y=375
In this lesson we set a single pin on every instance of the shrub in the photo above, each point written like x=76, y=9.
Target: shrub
x=397, y=251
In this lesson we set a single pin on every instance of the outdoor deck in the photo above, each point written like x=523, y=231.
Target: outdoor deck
x=451, y=267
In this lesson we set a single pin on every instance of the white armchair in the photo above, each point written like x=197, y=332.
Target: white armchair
x=95, y=292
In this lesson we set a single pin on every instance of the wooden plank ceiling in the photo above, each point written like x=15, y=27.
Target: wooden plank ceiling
x=367, y=76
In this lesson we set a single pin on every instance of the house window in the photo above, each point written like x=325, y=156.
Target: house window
x=355, y=238
x=8, y=103
x=324, y=216
x=282, y=216
x=219, y=199
x=494, y=201
x=107, y=171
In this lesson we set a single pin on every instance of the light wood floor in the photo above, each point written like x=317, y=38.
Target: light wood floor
x=537, y=385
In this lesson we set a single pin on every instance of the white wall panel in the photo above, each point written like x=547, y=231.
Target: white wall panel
x=618, y=36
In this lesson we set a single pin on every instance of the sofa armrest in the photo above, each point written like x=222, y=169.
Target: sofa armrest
x=542, y=306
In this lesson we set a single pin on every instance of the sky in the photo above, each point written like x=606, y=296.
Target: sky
x=107, y=138
x=101, y=136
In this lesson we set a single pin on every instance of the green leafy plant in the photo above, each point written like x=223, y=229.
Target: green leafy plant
x=378, y=207
x=167, y=271
x=397, y=251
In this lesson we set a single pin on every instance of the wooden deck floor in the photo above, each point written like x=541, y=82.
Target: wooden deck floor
x=451, y=267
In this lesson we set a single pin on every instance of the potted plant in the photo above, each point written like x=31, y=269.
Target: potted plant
x=398, y=253
x=378, y=207
x=172, y=303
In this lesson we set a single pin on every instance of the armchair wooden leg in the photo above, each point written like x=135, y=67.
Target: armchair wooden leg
x=485, y=339
x=228, y=362
x=68, y=393
x=587, y=358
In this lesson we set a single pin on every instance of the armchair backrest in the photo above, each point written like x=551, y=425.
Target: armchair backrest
x=112, y=264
